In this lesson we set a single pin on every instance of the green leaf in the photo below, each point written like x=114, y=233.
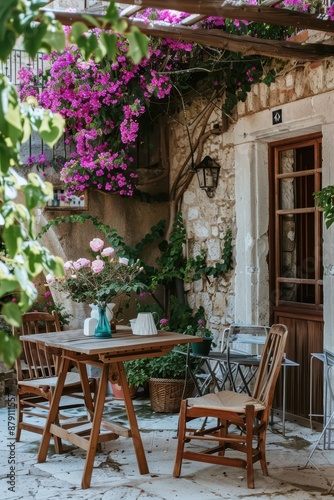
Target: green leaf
x=109, y=42
x=11, y=313
x=8, y=285
x=77, y=30
x=91, y=20
x=10, y=191
x=87, y=44
x=54, y=38
x=5, y=14
x=33, y=38
x=51, y=128
x=111, y=14
x=7, y=45
x=10, y=348
x=13, y=239
x=138, y=45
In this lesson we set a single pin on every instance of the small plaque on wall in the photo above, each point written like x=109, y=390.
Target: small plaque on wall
x=61, y=201
x=277, y=116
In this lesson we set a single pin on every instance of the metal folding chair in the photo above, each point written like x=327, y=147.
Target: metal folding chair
x=234, y=366
x=244, y=344
x=329, y=419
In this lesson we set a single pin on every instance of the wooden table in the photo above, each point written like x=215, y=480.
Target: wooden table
x=108, y=354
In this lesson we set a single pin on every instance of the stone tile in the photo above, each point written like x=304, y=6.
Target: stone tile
x=115, y=474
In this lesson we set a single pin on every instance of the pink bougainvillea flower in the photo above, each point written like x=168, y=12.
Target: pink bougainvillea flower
x=97, y=265
x=47, y=294
x=96, y=244
x=108, y=252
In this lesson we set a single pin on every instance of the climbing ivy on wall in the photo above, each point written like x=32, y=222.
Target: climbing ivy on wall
x=171, y=263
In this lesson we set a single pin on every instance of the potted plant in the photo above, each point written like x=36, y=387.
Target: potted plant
x=167, y=381
x=137, y=376
x=202, y=348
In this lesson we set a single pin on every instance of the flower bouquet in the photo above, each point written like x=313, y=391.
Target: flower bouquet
x=99, y=281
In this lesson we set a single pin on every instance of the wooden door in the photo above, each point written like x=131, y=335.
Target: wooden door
x=296, y=264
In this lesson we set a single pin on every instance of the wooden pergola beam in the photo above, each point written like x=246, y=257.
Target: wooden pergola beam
x=219, y=39
x=257, y=13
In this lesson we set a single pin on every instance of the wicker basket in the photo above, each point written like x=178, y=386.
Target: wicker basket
x=166, y=394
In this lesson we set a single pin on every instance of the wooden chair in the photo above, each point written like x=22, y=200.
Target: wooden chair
x=249, y=413
x=36, y=372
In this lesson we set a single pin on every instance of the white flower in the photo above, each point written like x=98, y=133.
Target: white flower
x=50, y=278
x=124, y=261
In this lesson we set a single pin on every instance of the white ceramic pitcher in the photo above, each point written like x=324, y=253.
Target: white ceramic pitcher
x=144, y=324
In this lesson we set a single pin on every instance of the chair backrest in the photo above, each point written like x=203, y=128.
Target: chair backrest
x=244, y=339
x=270, y=364
x=36, y=363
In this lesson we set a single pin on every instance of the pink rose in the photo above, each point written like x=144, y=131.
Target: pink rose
x=107, y=252
x=50, y=278
x=96, y=244
x=68, y=265
x=84, y=262
x=97, y=265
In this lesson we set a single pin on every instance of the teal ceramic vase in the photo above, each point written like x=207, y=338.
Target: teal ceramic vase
x=102, y=329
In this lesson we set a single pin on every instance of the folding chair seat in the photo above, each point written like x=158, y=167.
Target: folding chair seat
x=228, y=409
x=36, y=372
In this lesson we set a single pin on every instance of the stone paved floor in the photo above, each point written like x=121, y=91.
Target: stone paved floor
x=115, y=474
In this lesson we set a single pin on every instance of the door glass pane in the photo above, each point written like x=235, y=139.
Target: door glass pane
x=296, y=160
x=296, y=192
x=296, y=292
x=297, y=252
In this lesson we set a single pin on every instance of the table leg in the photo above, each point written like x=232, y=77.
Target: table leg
x=86, y=388
x=96, y=424
x=135, y=434
x=284, y=400
x=53, y=411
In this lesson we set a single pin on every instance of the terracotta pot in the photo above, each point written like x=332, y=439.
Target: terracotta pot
x=118, y=391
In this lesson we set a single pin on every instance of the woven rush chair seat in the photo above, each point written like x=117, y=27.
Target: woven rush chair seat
x=240, y=420
x=226, y=400
x=36, y=372
x=71, y=379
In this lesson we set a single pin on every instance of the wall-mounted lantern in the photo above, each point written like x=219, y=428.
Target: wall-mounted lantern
x=208, y=174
